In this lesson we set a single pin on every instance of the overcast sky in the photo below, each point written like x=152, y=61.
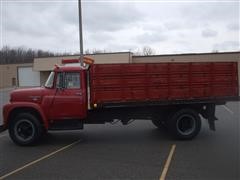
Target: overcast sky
x=166, y=26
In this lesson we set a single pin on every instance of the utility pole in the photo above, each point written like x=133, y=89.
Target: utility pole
x=80, y=31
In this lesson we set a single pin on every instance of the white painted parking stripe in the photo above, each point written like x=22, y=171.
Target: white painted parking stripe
x=40, y=159
x=167, y=163
x=229, y=110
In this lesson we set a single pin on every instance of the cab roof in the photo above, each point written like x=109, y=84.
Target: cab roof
x=68, y=68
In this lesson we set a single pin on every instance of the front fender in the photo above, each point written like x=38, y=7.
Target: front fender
x=9, y=108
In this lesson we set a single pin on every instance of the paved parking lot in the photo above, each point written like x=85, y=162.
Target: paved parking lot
x=136, y=151
x=4, y=98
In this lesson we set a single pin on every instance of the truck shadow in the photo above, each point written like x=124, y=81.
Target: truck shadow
x=150, y=135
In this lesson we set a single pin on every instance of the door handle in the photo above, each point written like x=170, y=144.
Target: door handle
x=79, y=94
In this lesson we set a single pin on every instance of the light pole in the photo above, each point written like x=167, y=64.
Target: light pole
x=80, y=32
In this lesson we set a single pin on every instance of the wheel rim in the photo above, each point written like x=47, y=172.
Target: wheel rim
x=186, y=124
x=24, y=130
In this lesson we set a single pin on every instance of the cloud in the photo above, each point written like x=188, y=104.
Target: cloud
x=209, y=33
x=151, y=37
x=101, y=38
x=109, y=17
x=33, y=18
x=113, y=46
x=173, y=25
x=233, y=27
x=227, y=46
x=119, y=26
x=211, y=11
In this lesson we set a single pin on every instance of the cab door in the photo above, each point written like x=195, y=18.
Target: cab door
x=69, y=101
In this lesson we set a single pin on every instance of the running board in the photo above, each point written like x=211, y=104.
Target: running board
x=66, y=125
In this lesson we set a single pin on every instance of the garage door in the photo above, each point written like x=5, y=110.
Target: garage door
x=28, y=77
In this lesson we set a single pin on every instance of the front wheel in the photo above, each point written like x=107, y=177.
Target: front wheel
x=185, y=124
x=25, y=129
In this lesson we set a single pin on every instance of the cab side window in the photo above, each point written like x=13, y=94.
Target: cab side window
x=59, y=82
x=72, y=80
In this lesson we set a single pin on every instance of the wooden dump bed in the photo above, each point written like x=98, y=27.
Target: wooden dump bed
x=117, y=83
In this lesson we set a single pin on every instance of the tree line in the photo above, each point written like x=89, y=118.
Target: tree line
x=9, y=55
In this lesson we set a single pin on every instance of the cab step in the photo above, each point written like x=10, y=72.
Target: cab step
x=66, y=125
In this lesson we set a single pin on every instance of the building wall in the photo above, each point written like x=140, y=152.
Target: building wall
x=43, y=76
x=9, y=73
x=112, y=58
x=47, y=64
x=207, y=57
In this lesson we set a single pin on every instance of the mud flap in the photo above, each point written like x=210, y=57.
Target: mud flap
x=210, y=115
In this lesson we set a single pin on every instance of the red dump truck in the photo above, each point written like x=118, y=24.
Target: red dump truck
x=171, y=95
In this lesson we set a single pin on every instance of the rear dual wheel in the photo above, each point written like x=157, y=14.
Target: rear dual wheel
x=185, y=124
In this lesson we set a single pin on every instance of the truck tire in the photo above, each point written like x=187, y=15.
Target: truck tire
x=25, y=129
x=185, y=124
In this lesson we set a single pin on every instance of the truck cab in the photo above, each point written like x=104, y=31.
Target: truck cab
x=68, y=86
x=60, y=104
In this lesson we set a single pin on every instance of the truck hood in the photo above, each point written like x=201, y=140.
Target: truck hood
x=27, y=95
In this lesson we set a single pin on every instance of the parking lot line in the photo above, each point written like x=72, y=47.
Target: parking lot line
x=229, y=110
x=38, y=160
x=167, y=163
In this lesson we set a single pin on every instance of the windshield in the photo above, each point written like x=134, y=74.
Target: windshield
x=49, y=82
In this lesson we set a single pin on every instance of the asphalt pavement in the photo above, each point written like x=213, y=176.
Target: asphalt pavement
x=136, y=151
x=4, y=98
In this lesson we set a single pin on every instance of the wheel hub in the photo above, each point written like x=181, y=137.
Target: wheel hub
x=186, y=124
x=24, y=130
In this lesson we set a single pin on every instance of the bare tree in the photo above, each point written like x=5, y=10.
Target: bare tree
x=10, y=55
x=147, y=51
x=96, y=51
